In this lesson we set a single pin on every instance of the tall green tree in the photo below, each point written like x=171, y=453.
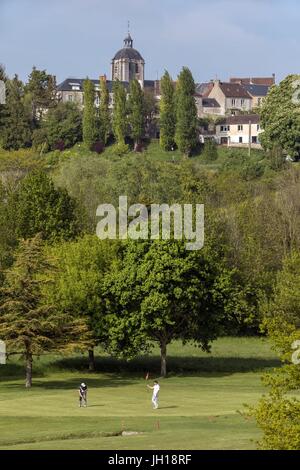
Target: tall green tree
x=136, y=112
x=77, y=289
x=280, y=117
x=41, y=88
x=28, y=324
x=104, y=113
x=16, y=128
x=119, y=120
x=167, y=120
x=61, y=127
x=89, y=124
x=162, y=292
x=186, y=113
x=277, y=413
x=41, y=208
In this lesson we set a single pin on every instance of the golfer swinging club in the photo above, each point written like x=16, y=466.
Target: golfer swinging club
x=155, y=388
x=82, y=391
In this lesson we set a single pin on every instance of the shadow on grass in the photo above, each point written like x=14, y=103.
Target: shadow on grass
x=197, y=365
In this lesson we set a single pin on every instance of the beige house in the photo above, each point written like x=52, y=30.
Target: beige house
x=232, y=97
x=239, y=131
x=207, y=106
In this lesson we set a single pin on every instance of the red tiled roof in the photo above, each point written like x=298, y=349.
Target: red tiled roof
x=269, y=81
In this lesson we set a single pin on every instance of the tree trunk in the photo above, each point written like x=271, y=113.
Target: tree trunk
x=28, y=382
x=163, y=359
x=91, y=360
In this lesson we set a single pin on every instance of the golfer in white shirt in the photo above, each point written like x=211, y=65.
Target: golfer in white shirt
x=155, y=389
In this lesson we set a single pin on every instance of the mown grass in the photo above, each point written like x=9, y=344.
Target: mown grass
x=199, y=401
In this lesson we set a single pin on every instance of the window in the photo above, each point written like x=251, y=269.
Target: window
x=233, y=102
x=240, y=140
x=242, y=102
x=258, y=127
x=70, y=97
x=240, y=127
x=254, y=139
x=224, y=128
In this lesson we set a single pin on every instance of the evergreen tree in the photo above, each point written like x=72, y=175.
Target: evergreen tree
x=104, y=114
x=136, y=112
x=28, y=324
x=41, y=89
x=186, y=113
x=89, y=124
x=16, y=128
x=119, y=114
x=167, y=113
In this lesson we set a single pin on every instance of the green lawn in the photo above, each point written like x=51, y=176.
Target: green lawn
x=199, y=401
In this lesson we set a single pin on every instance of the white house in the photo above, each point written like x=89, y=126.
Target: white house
x=239, y=131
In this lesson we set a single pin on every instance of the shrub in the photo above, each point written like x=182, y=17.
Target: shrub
x=97, y=147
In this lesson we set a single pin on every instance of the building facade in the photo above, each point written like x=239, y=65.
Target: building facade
x=239, y=131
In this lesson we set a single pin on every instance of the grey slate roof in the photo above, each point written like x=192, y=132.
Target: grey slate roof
x=66, y=85
x=257, y=90
x=210, y=103
x=204, y=88
x=128, y=53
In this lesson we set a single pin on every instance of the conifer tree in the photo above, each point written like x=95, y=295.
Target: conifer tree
x=186, y=113
x=104, y=114
x=16, y=128
x=41, y=89
x=89, y=124
x=136, y=112
x=167, y=113
x=119, y=114
x=28, y=324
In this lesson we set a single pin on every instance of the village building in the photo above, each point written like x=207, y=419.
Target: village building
x=239, y=131
x=232, y=97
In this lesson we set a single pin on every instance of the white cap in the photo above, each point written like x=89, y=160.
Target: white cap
x=83, y=384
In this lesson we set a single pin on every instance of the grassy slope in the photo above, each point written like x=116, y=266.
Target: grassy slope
x=198, y=403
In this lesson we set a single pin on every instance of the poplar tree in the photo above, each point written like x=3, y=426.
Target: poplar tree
x=186, y=113
x=119, y=114
x=136, y=112
x=28, y=324
x=167, y=113
x=16, y=129
x=89, y=124
x=104, y=114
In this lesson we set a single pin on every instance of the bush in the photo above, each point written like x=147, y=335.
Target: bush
x=210, y=151
x=59, y=145
x=121, y=149
x=98, y=147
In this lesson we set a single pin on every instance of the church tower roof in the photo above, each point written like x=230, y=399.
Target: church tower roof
x=128, y=52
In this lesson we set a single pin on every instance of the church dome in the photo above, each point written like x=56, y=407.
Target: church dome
x=128, y=53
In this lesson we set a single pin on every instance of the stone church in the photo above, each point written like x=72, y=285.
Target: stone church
x=127, y=64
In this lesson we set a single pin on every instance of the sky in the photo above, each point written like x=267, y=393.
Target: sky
x=214, y=38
